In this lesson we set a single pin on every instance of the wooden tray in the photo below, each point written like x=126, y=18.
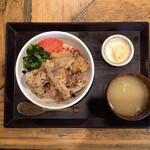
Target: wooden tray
x=94, y=111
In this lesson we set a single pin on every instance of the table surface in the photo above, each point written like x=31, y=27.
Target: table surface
x=69, y=11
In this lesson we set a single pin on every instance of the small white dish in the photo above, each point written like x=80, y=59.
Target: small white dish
x=117, y=50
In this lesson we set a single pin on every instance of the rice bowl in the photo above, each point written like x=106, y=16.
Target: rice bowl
x=51, y=103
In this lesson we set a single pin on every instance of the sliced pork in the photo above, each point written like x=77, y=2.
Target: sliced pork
x=60, y=77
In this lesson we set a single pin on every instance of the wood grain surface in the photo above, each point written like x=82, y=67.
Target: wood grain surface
x=69, y=11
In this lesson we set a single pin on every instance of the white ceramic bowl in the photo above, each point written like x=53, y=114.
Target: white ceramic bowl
x=50, y=103
x=123, y=44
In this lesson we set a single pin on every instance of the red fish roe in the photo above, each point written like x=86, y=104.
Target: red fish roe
x=51, y=45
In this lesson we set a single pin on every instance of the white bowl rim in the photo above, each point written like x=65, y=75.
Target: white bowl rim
x=118, y=36
x=91, y=61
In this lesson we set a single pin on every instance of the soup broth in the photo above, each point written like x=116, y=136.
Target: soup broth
x=128, y=95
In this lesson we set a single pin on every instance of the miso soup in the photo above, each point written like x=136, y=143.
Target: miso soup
x=128, y=95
